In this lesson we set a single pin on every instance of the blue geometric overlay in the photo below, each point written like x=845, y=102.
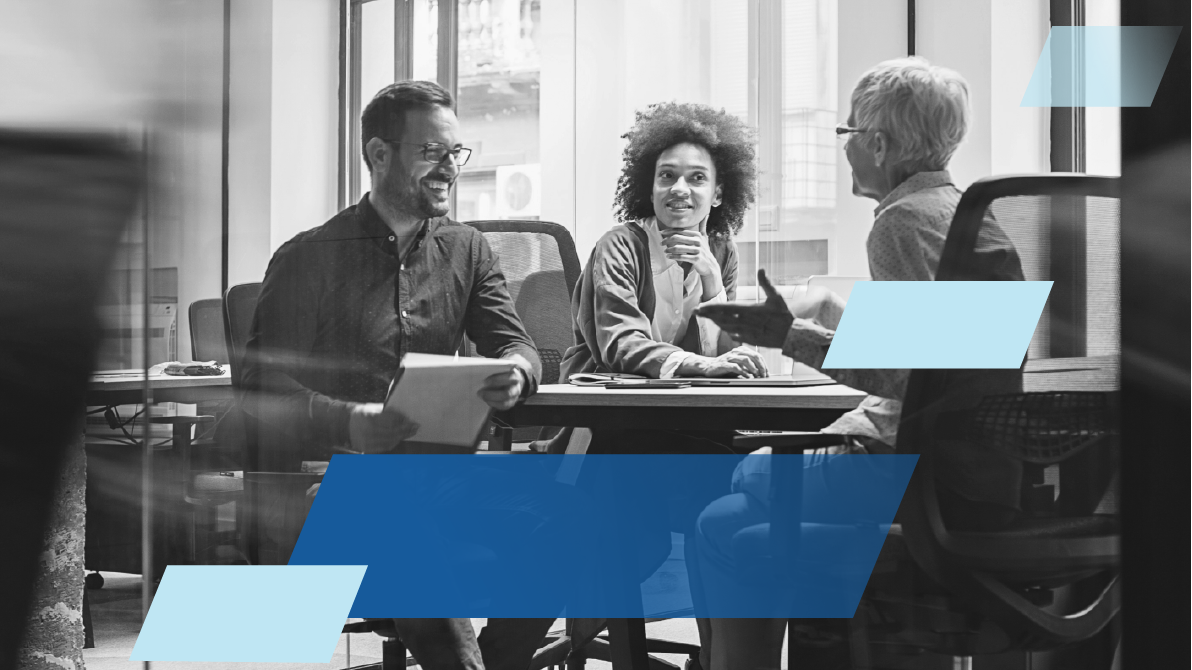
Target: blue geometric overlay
x=1101, y=66
x=497, y=535
x=938, y=324
x=242, y=613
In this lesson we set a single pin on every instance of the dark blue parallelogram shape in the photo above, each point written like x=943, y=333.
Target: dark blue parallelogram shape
x=499, y=535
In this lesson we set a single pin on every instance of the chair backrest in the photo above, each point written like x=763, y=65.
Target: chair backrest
x=207, y=336
x=541, y=269
x=1065, y=228
x=838, y=284
x=1030, y=209
x=240, y=303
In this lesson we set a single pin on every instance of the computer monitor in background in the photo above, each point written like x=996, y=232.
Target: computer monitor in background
x=121, y=313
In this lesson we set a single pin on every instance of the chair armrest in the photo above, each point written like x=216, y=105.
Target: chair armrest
x=787, y=442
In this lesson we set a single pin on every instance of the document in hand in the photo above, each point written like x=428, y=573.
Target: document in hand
x=439, y=394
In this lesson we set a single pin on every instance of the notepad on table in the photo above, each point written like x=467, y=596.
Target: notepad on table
x=602, y=378
x=439, y=393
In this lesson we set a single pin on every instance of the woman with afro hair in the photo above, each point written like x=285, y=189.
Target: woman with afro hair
x=687, y=181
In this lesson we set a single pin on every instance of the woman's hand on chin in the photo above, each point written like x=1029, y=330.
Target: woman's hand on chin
x=686, y=245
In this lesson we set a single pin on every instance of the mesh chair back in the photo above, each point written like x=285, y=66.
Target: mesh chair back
x=541, y=268
x=240, y=303
x=1065, y=228
x=207, y=335
x=1059, y=226
x=1040, y=428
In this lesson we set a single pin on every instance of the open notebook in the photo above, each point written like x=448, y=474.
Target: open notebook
x=439, y=394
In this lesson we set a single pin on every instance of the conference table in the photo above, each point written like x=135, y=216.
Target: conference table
x=807, y=408
x=743, y=408
x=694, y=408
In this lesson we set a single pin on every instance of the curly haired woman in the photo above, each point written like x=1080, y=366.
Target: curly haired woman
x=687, y=181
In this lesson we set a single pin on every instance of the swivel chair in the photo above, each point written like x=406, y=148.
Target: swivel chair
x=1049, y=580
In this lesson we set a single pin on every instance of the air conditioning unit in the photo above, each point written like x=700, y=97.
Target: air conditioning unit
x=519, y=191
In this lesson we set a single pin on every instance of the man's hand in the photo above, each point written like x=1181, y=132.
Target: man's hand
x=502, y=390
x=764, y=325
x=374, y=428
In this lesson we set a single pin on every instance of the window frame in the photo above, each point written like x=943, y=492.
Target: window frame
x=351, y=16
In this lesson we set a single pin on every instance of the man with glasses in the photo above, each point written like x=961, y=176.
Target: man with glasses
x=339, y=306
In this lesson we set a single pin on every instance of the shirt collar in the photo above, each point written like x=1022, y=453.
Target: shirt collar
x=917, y=182
x=378, y=231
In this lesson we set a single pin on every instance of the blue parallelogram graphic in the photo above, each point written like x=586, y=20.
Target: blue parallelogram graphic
x=937, y=324
x=1101, y=66
x=243, y=613
x=498, y=535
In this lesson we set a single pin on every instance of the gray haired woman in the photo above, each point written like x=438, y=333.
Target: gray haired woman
x=907, y=119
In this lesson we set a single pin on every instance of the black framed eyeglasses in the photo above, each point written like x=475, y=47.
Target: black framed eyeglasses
x=843, y=131
x=433, y=152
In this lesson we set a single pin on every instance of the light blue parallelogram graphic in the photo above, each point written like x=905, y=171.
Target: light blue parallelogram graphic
x=1101, y=66
x=937, y=324
x=499, y=535
x=241, y=613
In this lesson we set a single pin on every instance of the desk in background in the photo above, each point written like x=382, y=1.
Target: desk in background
x=114, y=496
x=129, y=389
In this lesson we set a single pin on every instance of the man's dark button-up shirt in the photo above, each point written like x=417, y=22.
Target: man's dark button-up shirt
x=337, y=309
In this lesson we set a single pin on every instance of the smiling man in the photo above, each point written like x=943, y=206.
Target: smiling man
x=339, y=306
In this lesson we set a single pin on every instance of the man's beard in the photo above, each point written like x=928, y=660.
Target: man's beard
x=417, y=203
x=428, y=207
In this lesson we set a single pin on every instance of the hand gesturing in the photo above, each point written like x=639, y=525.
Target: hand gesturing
x=764, y=325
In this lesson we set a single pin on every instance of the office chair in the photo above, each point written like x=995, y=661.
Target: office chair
x=541, y=269
x=207, y=341
x=1049, y=580
x=206, y=461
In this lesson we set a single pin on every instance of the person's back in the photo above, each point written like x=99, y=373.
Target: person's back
x=906, y=121
x=905, y=244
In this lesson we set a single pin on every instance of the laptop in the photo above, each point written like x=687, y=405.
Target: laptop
x=777, y=380
x=802, y=375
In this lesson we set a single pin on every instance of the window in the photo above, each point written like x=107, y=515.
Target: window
x=546, y=89
x=499, y=84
